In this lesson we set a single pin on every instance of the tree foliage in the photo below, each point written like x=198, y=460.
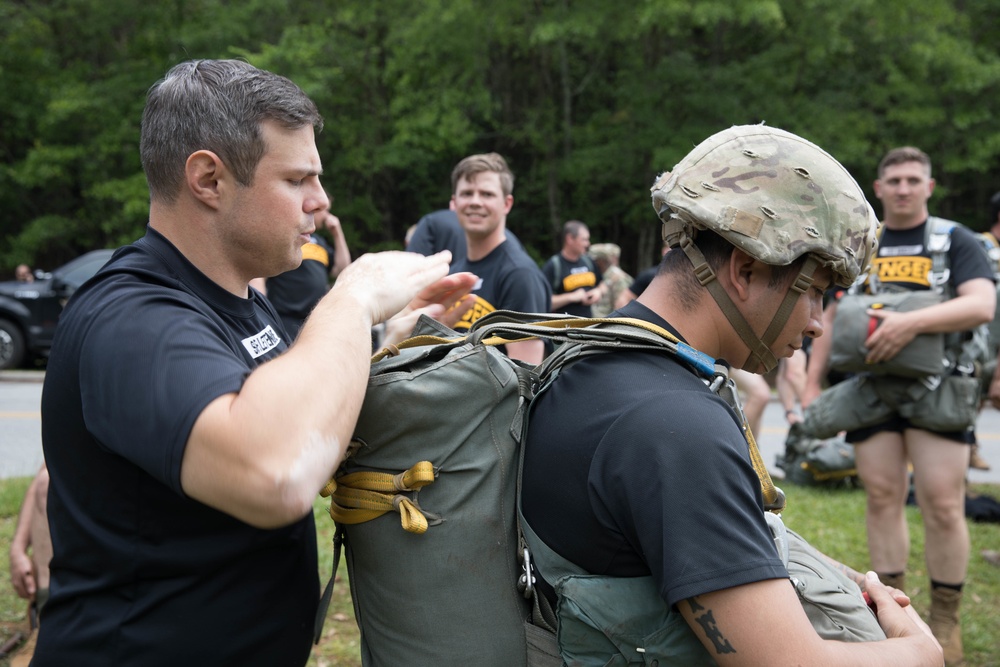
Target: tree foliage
x=588, y=100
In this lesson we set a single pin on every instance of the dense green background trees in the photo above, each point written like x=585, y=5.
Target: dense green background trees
x=588, y=99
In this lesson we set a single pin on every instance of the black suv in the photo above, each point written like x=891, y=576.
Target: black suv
x=29, y=311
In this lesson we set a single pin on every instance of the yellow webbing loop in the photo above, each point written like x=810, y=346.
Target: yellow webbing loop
x=363, y=496
x=826, y=476
x=774, y=499
x=415, y=341
x=417, y=477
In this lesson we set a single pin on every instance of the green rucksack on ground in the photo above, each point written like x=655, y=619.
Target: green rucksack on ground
x=810, y=461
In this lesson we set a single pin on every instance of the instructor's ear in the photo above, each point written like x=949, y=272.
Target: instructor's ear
x=204, y=173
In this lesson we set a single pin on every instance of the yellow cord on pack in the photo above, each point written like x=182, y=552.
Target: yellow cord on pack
x=363, y=496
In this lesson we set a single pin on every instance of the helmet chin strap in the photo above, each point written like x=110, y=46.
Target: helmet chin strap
x=760, y=347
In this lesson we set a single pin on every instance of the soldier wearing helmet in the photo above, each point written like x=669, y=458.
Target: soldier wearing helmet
x=652, y=491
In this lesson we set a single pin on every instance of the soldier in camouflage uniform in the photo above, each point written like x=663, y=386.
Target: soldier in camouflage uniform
x=616, y=281
x=639, y=475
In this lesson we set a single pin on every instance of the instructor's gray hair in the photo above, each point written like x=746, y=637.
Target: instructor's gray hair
x=219, y=106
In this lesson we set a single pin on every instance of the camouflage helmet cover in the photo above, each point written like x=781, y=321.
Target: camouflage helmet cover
x=774, y=195
x=605, y=251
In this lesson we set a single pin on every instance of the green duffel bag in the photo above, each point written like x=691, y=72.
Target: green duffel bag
x=951, y=406
x=853, y=325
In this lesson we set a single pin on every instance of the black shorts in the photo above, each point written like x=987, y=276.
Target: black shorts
x=897, y=424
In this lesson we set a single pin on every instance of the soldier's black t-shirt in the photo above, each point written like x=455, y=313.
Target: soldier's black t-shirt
x=508, y=280
x=634, y=467
x=142, y=574
x=437, y=231
x=903, y=261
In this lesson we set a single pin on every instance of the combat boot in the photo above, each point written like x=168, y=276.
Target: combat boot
x=945, y=626
x=894, y=580
x=976, y=460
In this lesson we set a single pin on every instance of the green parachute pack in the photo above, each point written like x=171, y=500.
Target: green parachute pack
x=426, y=500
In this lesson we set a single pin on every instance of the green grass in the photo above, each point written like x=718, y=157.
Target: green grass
x=833, y=520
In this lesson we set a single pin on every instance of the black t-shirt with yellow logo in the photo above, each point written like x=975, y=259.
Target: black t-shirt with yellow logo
x=508, y=280
x=903, y=261
x=565, y=276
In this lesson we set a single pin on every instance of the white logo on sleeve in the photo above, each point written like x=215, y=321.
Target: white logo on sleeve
x=261, y=343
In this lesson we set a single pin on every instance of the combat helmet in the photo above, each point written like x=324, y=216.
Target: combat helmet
x=776, y=197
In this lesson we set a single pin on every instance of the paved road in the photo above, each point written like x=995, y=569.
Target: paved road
x=20, y=423
x=21, y=449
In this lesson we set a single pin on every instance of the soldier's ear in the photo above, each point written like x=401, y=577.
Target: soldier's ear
x=741, y=269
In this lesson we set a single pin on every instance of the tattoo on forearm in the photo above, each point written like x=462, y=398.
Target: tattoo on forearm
x=706, y=620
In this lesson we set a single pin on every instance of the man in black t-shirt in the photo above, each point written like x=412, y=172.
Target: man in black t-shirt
x=939, y=458
x=653, y=484
x=508, y=278
x=185, y=441
x=576, y=281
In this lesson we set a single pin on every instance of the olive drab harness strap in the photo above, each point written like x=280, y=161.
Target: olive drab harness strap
x=675, y=232
x=774, y=498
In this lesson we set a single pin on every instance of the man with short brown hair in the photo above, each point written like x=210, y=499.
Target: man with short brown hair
x=186, y=440
x=482, y=196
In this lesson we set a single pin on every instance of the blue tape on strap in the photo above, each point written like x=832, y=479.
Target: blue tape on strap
x=703, y=363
